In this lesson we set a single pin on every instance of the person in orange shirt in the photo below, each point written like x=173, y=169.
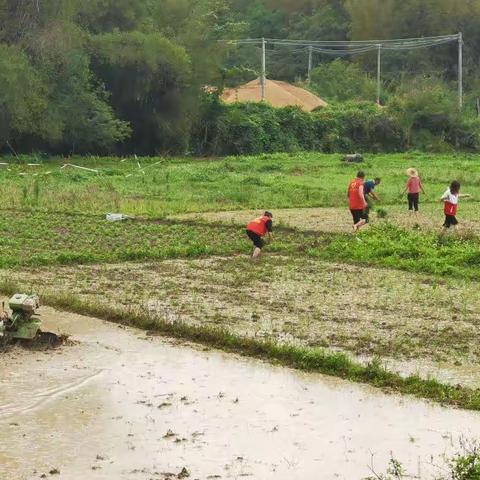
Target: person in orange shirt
x=257, y=229
x=357, y=202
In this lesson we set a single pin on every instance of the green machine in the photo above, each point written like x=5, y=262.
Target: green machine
x=23, y=323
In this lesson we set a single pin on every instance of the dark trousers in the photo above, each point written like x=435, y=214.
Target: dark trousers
x=367, y=210
x=450, y=221
x=413, y=201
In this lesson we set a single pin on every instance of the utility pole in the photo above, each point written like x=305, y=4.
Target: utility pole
x=460, y=71
x=263, y=79
x=310, y=63
x=379, y=72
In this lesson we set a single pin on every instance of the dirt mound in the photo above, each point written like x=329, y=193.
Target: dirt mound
x=277, y=93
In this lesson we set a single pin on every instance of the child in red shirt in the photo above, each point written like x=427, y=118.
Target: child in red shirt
x=450, y=201
x=414, y=187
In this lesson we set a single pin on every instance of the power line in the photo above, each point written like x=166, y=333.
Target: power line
x=345, y=47
x=387, y=43
x=344, y=52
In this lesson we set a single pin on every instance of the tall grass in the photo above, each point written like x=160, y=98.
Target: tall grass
x=190, y=185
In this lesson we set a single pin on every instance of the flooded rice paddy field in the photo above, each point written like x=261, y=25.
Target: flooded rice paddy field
x=117, y=404
x=411, y=321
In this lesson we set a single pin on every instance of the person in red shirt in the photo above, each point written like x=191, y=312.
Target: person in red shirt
x=413, y=188
x=450, y=201
x=357, y=202
x=257, y=229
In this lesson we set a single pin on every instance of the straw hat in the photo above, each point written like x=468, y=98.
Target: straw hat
x=412, y=172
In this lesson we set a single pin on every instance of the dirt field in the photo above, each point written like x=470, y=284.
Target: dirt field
x=120, y=405
x=365, y=311
x=338, y=220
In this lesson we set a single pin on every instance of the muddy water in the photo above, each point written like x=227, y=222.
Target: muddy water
x=119, y=405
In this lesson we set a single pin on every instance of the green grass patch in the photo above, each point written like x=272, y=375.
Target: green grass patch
x=39, y=238
x=169, y=186
x=390, y=246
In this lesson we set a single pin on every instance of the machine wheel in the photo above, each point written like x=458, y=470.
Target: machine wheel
x=50, y=340
x=43, y=341
x=5, y=341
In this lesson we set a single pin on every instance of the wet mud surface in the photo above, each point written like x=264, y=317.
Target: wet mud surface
x=117, y=404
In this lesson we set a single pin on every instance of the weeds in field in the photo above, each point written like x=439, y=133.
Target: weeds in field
x=39, y=238
x=465, y=465
x=394, y=247
x=382, y=213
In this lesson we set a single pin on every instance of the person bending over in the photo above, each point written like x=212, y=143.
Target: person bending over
x=257, y=229
x=369, y=193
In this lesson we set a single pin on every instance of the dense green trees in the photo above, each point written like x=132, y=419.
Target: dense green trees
x=342, y=81
x=147, y=76
x=129, y=75
x=417, y=18
x=22, y=97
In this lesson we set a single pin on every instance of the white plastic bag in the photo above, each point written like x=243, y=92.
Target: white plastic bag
x=116, y=217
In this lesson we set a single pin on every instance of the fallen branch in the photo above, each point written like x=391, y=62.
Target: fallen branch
x=65, y=165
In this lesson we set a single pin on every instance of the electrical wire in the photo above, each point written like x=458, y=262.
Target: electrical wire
x=343, y=52
x=278, y=52
x=413, y=47
x=389, y=44
x=363, y=42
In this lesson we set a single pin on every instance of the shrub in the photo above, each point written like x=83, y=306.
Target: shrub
x=382, y=213
x=427, y=120
x=342, y=81
x=429, y=115
x=252, y=128
x=357, y=126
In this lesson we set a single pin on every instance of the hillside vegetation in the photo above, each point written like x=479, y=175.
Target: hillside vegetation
x=127, y=76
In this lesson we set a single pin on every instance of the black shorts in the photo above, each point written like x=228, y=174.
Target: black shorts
x=359, y=215
x=450, y=220
x=256, y=239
